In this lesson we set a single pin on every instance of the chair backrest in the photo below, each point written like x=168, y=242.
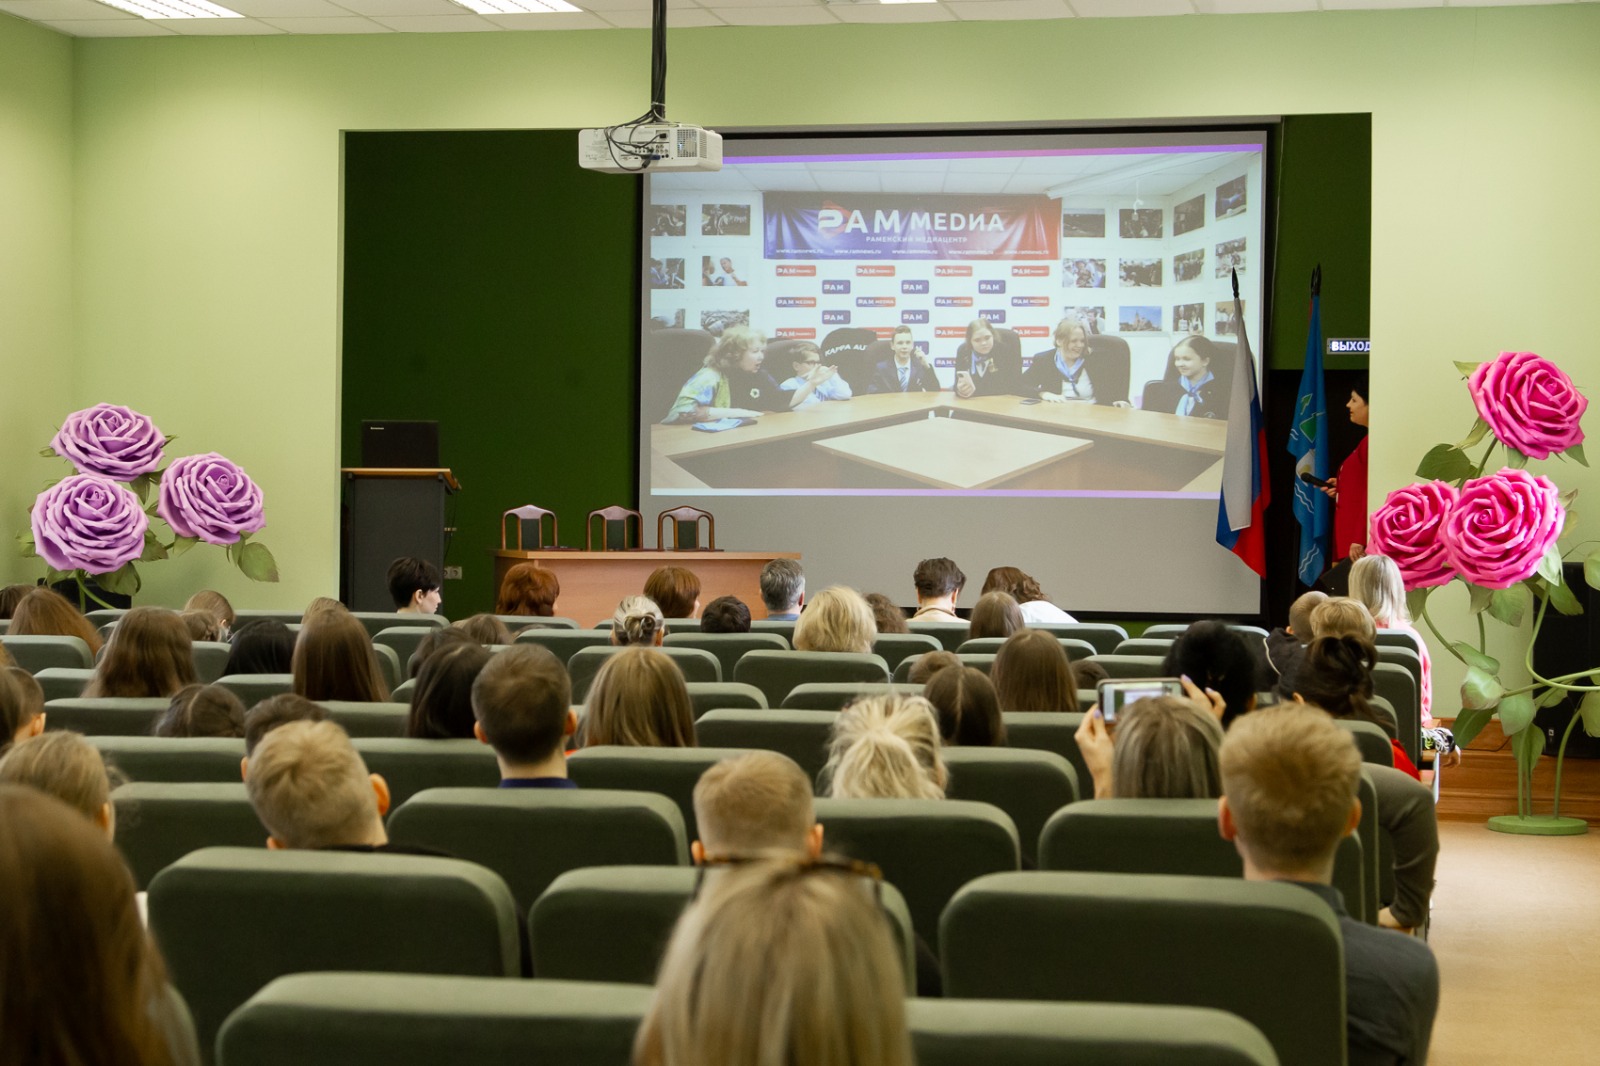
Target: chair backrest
x=518, y=622
x=369, y=719
x=410, y=766
x=696, y=664
x=253, y=688
x=1120, y=666
x=63, y=682
x=801, y=735
x=685, y=525
x=210, y=658
x=777, y=673
x=389, y=665
x=1399, y=638
x=1075, y=647
x=403, y=641
x=37, y=653
x=1030, y=786
x=1108, y=360
x=1051, y=731
x=1145, y=646
x=670, y=772
x=832, y=696
x=1396, y=684
x=159, y=822
x=957, y=1032
x=229, y=920
x=978, y=661
x=173, y=759
x=115, y=716
x=894, y=648
x=401, y=693
x=710, y=695
x=615, y=532
x=240, y=617
x=950, y=635
x=377, y=621
x=1104, y=636
x=1406, y=657
x=1269, y=952
x=727, y=647
x=336, y=1019
x=1371, y=739
x=783, y=628
x=530, y=836
x=529, y=513
x=1174, y=630
x=926, y=848
x=564, y=643
x=105, y=615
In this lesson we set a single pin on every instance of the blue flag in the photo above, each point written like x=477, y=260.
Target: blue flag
x=1308, y=443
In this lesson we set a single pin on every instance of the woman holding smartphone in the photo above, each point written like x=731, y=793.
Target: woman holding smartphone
x=986, y=364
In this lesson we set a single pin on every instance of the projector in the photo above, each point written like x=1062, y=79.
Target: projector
x=649, y=146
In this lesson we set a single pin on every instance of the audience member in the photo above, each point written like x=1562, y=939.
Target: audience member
x=1285, y=647
x=638, y=621
x=441, y=706
x=725, y=614
x=150, y=654
x=967, y=706
x=1289, y=779
x=938, y=583
x=46, y=613
x=523, y=703
x=638, y=699
x=437, y=639
x=996, y=615
x=784, y=961
x=310, y=789
x=201, y=711
x=273, y=712
x=82, y=982
x=65, y=765
x=1376, y=583
x=215, y=604
x=929, y=663
x=837, y=619
x=1340, y=616
x=1336, y=676
x=10, y=596
x=1032, y=673
x=1031, y=601
x=415, y=586
x=484, y=628
x=1218, y=659
x=1087, y=674
x=754, y=803
x=334, y=660
x=528, y=589
x=885, y=615
x=783, y=589
x=21, y=707
x=886, y=747
x=676, y=590
x=203, y=625
x=320, y=605
x=1161, y=747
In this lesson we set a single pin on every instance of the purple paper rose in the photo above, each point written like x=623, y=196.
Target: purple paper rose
x=88, y=522
x=1529, y=403
x=207, y=496
x=1501, y=526
x=1407, y=529
x=110, y=440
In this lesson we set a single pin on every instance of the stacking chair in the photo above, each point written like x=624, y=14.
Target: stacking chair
x=950, y=635
x=1268, y=952
x=530, y=513
x=403, y=640
x=711, y=695
x=832, y=696
x=727, y=647
x=377, y=621
x=1075, y=648
x=349, y=1019
x=160, y=822
x=253, y=688
x=801, y=735
x=776, y=673
x=615, y=532
x=63, y=682
x=210, y=658
x=1051, y=731
x=117, y=716
x=1030, y=786
x=370, y=719
x=38, y=653
x=926, y=848
x=958, y=1032
x=1103, y=635
x=685, y=525
x=409, y=765
x=530, y=836
x=1145, y=646
x=231, y=919
x=1130, y=666
x=696, y=665
x=671, y=772
x=564, y=643
x=173, y=759
x=895, y=648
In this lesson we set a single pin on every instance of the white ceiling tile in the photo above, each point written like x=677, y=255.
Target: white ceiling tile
x=346, y=25
x=397, y=8
x=128, y=27
x=607, y=6
x=1103, y=9
x=983, y=10
x=554, y=20
x=1252, y=7
x=689, y=18
x=770, y=4
x=292, y=9
x=775, y=16
x=62, y=10
x=463, y=23
x=892, y=13
x=217, y=27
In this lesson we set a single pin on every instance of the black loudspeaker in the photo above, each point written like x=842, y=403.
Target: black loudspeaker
x=1567, y=644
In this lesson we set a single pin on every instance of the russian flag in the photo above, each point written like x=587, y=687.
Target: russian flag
x=1246, y=491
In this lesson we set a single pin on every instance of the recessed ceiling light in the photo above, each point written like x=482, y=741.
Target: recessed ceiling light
x=517, y=7
x=173, y=9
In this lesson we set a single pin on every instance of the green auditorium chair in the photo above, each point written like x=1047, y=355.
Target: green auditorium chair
x=976, y=660
x=1174, y=630
x=1130, y=666
x=1400, y=656
x=39, y=653
x=105, y=616
x=1269, y=952
x=240, y=617
x=518, y=622
x=1399, y=638
x=670, y=772
x=120, y=716
x=210, y=659
x=711, y=695
x=802, y=735
x=1030, y=786
x=228, y=920
x=389, y=665
x=832, y=696
x=727, y=647
x=401, y=693
x=159, y=823
x=1155, y=646
x=173, y=759
x=1051, y=731
x=529, y=836
x=63, y=682
x=950, y=635
x=894, y=648
x=776, y=673
x=404, y=640
x=693, y=663
x=1103, y=636
x=1076, y=649
x=1394, y=682
x=253, y=688
x=563, y=643
x=377, y=621
x=1371, y=739
x=410, y=765
x=361, y=719
x=782, y=628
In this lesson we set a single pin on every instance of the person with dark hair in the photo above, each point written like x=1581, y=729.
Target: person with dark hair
x=938, y=582
x=1031, y=601
x=201, y=711
x=1348, y=488
x=10, y=596
x=46, y=613
x=21, y=707
x=905, y=370
x=484, y=628
x=675, y=589
x=416, y=586
x=984, y=366
x=523, y=704
x=1336, y=675
x=150, y=654
x=528, y=589
x=277, y=710
x=783, y=589
x=1190, y=386
x=885, y=614
x=441, y=707
x=929, y=663
x=439, y=638
x=967, y=706
x=1087, y=674
x=1218, y=659
x=725, y=614
x=1033, y=673
x=996, y=615
x=334, y=660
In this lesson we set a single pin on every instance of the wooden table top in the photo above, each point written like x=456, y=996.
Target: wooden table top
x=951, y=453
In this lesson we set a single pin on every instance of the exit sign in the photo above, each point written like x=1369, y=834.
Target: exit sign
x=1349, y=346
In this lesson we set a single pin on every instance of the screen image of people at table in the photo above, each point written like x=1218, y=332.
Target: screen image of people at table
x=1052, y=295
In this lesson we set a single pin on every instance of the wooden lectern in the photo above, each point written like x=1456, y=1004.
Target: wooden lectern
x=389, y=513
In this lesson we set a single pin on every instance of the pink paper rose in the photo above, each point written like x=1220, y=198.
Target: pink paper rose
x=1407, y=529
x=107, y=439
x=1529, y=403
x=88, y=522
x=207, y=496
x=1501, y=526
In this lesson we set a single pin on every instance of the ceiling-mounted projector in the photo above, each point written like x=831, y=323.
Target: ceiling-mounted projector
x=649, y=146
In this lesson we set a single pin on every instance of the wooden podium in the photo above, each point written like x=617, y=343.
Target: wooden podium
x=593, y=583
x=389, y=512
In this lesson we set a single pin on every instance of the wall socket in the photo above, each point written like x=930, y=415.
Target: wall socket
x=452, y=573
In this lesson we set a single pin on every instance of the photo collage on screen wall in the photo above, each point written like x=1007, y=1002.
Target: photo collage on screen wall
x=705, y=255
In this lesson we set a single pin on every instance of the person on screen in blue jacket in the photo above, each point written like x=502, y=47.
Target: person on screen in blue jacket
x=1189, y=387
x=906, y=370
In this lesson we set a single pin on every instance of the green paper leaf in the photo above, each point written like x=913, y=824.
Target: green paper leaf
x=1479, y=430
x=1416, y=599
x=1516, y=714
x=1591, y=569
x=1551, y=696
x=1575, y=453
x=1550, y=565
x=1481, y=690
x=142, y=485
x=1474, y=657
x=26, y=546
x=257, y=563
x=1589, y=711
x=123, y=581
x=153, y=548
x=1511, y=605
x=47, y=453
x=1562, y=599
x=1466, y=368
x=1515, y=459
x=1469, y=724
x=1445, y=462
x=1478, y=598
x=180, y=545
x=1527, y=746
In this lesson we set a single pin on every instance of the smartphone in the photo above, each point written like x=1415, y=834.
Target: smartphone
x=1117, y=694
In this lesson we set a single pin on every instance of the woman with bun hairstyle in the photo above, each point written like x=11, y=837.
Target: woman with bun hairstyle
x=638, y=621
x=528, y=589
x=334, y=660
x=46, y=613
x=886, y=747
x=1336, y=675
x=638, y=699
x=150, y=654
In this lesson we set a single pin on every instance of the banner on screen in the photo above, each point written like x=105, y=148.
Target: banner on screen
x=813, y=226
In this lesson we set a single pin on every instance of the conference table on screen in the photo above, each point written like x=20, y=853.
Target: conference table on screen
x=934, y=439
